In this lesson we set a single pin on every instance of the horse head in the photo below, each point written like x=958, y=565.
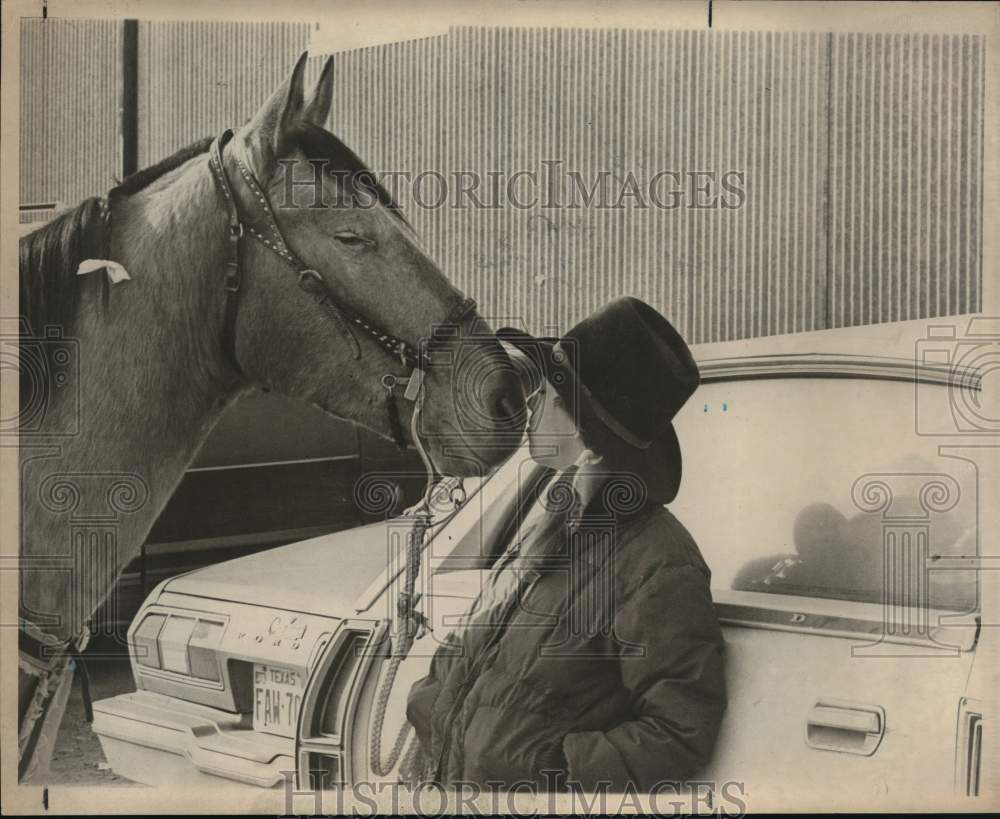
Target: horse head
x=337, y=280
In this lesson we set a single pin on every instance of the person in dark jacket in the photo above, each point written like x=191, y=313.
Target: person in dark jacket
x=593, y=656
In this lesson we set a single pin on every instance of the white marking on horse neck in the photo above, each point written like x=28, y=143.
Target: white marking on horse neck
x=152, y=384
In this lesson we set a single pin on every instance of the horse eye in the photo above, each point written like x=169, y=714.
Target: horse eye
x=352, y=239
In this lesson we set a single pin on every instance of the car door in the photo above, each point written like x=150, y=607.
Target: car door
x=843, y=546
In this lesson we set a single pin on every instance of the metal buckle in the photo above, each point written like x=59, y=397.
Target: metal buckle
x=413, y=384
x=233, y=279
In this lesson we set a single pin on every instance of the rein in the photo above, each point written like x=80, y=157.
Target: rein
x=258, y=221
x=252, y=214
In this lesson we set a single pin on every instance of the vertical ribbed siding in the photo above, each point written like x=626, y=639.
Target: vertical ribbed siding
x=197, y=78
x=905, y=176
x=862, y=156
x=69, y=129
x=613, y=103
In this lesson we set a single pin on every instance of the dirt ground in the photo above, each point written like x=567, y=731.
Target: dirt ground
x=78, y=759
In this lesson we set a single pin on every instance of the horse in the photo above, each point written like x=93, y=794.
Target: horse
x=208, y=281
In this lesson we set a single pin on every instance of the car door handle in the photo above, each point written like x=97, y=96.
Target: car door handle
x=846, y=727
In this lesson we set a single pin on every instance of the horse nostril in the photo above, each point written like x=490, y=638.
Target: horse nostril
x=490, y=393
x=504, y=407
x=508, y=402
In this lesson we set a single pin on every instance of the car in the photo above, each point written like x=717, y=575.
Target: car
x=831, y=481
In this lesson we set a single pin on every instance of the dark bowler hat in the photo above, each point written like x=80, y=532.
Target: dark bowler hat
x=623, y=372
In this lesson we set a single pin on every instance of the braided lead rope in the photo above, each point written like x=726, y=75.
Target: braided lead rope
x=405, y=634
x=409, y=622
x=415, y=767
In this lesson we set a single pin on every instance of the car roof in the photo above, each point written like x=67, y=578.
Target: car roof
x=886, y=351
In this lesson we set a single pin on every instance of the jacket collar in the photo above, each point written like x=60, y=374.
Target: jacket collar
x=593, y=546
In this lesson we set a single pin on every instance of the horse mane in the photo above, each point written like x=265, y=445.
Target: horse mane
x=48, y=261
x=50, y=256
x=133, y=183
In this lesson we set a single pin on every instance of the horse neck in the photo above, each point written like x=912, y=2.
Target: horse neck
x=153, y=381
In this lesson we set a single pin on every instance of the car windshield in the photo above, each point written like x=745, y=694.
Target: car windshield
x=824, y=488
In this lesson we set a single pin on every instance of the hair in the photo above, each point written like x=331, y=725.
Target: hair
x=133, y=183
x=50, y=256
x=48, y=261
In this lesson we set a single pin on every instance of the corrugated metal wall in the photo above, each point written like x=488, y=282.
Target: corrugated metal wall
x=70, y=86
x=645, y=102
x=862, y=157
x=905, y=177
x=195, y=79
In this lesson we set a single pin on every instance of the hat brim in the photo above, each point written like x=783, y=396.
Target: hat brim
x=659, y=464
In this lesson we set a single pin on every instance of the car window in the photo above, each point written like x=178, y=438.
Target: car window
x=827, y=488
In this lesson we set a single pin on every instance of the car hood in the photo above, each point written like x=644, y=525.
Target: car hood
x=323, y=575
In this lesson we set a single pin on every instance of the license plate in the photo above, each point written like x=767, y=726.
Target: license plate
x=277, y=697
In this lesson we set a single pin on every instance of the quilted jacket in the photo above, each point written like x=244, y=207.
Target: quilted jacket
x=606, y=665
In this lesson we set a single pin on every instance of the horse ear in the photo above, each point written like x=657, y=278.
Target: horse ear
x=318, y=107
x=265, y=133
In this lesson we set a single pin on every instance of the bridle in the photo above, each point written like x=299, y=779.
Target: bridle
x=249, y=212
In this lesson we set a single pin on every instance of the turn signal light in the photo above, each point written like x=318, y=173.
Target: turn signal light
x=174, y=638
x=181, y=644
x=144, y=640
x=202, y=657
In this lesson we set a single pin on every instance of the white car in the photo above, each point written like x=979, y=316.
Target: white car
x=831, y=481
